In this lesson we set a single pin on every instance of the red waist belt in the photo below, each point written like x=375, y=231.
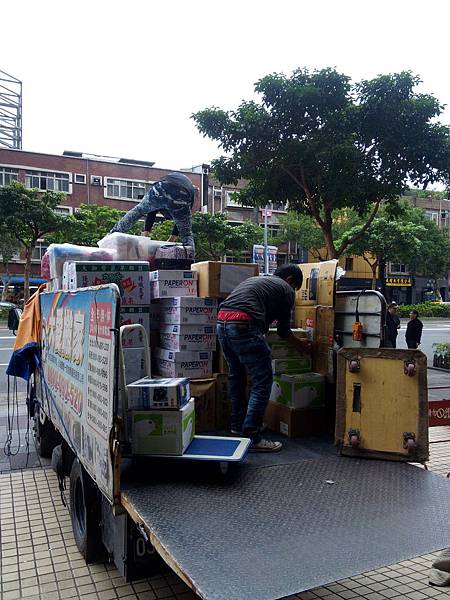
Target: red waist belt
x=233, y=315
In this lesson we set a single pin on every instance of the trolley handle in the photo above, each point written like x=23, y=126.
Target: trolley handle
x=124, y=330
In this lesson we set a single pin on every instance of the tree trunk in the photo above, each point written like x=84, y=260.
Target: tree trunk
x=329, y=244
x=27, y=272
x=382, y=271
x=374, y=276
x=6, y=280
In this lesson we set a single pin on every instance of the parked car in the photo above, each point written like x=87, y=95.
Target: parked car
x=14, y=314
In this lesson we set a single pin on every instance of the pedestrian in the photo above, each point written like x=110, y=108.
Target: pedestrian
x=243, y=319
x=414, y=328
x=392, y=325
x=173, y=195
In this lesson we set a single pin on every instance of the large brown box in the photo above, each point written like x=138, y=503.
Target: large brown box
x=295, y=422
x=223, y=405
x=204, y=392
x=218, y=279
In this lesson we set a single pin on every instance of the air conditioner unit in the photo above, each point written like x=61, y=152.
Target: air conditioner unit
x=96, y=180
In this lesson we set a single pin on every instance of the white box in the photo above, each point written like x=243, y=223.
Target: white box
x=154, y=315
x=196, y=341
x=172, y=284
x=190, y=311
x=182, y=356
x=193, y=369
x=132, y=278
x=132, y=315
x=162, y=431
x=134, y=360
x=147, y=393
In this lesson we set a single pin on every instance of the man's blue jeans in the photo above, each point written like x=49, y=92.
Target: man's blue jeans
x=246, y=352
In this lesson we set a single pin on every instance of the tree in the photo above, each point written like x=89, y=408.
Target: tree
x=321, y=143
x=90, y=224
x=29, y=216
x=8, y=248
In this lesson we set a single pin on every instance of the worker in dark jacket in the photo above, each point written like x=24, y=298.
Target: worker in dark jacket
x=243, y=319
x=392, y=325
x=414, y=328
x=172, y=195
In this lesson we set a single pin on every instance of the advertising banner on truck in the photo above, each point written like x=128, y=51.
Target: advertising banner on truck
x=77, y=383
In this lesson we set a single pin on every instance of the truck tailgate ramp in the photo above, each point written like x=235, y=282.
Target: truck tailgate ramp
x=276, y=531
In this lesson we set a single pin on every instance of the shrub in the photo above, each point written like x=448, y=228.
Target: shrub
x=442, y=349
x=425, y=309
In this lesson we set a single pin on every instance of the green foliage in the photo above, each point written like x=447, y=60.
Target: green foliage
x=425, y=309
x=321, y=143
x=162, y=231
x=435, y=195
x=89, y=225
x=442, y=349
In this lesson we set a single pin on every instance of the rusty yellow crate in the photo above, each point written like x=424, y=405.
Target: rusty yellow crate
x=382, y=404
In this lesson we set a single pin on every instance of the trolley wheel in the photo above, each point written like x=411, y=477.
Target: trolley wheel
x=353, y=366
x=354, y=441
x=410, y=445
x=410, y=369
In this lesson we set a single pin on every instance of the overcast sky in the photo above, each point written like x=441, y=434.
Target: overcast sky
x=122, y=78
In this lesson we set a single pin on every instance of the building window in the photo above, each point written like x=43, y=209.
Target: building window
x=47, y=180
x=245, y=257
x=272, y=230
x=433, y=215
x=349, y=263
x=278, y=206
x=124, y=189
x=63, y=210
x=80, y=178
x=39, y=251
x=7, y=175
x=217, y=193
x=398, y=268
x=232, y=202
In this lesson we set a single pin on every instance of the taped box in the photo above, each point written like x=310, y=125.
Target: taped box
x=170, y=284
x=132, y=278
x=293, y=422
x=292, y=366
x=132, y=315
x=223, y=404
x=218, y=279
x=189, y=311
x=204, y=394
x=192, y=368
x=156, y=432
x=299, y=391
x=188, y=337
x=148, y=393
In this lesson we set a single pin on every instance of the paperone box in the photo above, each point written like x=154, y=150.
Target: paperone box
x=299, y=391
x=293, y=422
x=283, y=350
x=134, y=359
x=132, y=278
x=218, y=279
x=131, y=315
x=162, y=431
x=292, y=366
x=204, y=393
x=194, y=369
x=184, y=355
x=187, y=337
x=189, y=311
x=148, y=393
x=154, y=311
x=171, y=284
x=272, y=336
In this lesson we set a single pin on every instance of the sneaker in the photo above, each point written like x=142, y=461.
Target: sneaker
x=266, y=446
x=236, y=432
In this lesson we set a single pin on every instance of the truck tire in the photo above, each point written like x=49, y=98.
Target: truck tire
x=46, y=436
x=85, y=512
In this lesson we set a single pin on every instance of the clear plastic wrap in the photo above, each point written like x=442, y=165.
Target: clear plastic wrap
x=57, y=254
x=132, y=247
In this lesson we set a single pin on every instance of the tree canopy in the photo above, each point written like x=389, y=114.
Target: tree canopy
x=321, y=143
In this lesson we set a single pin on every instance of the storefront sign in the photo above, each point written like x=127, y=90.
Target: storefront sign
x=439, y=413
x=78, y=367
x=399, y=281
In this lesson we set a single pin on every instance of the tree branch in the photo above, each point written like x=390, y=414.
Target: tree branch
x=363, y=229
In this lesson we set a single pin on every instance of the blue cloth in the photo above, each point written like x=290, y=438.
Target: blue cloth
x=23, y=361
x=166, y=197
x=246, y=351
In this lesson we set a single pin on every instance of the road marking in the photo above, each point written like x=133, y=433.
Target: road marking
x=7, y=337
x=6, y=349
x=4, y=364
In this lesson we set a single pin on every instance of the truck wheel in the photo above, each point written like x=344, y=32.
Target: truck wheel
x=46, y=436
x=85, y=512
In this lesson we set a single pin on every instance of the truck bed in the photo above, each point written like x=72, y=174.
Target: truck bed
x=287, y=522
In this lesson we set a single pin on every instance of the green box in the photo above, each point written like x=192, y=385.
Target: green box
x=281, y=348
x=292, y=366
x=162, y=431
x=306, y=390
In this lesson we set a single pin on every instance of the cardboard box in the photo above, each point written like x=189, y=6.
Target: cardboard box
x=218, y=279
x=183, y=355
x=283, y=350
x=319, y=322
x=223, y=404
x=318, y=284
x=292, y=366
x=193, y=338
x=204, y=393
x=154, y=313
x=134, y=360
x=189, y=311
x=132, y=278
x=272, y=336
x=306, y=390
x=147, y=393
x=170, y=284
x=131, y=315
x=162, y=431
x=194, y=369
x=220, y=365
x=295, y=423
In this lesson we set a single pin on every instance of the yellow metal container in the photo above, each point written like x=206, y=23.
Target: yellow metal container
x=382, y=404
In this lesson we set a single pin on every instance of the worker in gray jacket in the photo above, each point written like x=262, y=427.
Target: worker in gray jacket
x=172, y=195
